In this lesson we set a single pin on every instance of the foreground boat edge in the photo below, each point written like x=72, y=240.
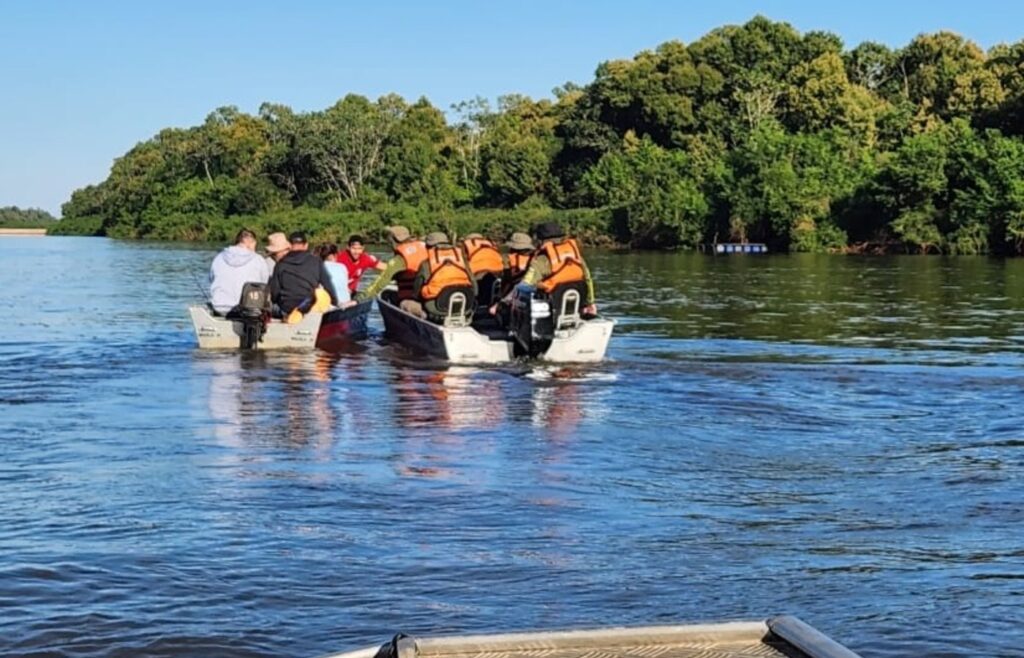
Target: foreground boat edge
x=783, y=629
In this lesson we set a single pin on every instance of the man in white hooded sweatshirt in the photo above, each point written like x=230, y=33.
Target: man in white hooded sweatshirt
x=233, y=268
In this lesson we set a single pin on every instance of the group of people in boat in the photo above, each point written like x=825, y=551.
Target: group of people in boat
x=428, y=271
x=296, y=278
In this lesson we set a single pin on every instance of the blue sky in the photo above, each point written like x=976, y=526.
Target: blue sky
x=82, y=82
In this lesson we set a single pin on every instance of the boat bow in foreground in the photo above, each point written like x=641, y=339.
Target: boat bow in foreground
x=778, y=637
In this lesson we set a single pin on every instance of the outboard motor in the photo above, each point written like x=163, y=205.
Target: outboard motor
x=253, y=311
x=530, y=320
x=537, y=318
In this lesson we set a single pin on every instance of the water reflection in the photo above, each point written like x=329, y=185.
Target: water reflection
x=968, y=304
x=279, y=398
x=448, y=398
x=556, y=405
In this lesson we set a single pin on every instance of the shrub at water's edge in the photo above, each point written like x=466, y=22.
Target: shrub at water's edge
x=753, y=132
x=15, y=217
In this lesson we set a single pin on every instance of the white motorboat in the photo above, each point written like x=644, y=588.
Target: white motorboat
x=219, y=333
x=562, y=336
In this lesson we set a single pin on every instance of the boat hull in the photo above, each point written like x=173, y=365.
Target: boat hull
x=341, y=328
x=586, y=343
x=454, y=344
x=217, y=333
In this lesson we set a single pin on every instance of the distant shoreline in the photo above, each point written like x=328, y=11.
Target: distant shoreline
x=23, y=232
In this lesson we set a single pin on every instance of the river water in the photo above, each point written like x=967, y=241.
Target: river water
x=838, y=438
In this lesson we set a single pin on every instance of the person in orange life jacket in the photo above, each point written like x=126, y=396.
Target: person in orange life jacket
x=402, y=267
x=485, y=262
x=296, y=277
x=557, y=260
x=445, y=267
x=520, y=250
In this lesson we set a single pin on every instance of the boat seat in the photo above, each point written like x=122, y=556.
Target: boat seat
x=457, y=303
x=567, y=301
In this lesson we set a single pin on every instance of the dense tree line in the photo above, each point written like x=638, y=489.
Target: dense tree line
x=15, y=217
x=753, y=132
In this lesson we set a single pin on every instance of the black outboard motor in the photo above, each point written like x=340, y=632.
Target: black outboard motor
x=530, y=320
x=253, y=311
x=537, y=317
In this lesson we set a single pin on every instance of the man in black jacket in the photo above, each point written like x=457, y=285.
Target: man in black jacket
x=296, y=277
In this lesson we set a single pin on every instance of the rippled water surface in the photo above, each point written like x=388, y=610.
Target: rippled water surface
x=837, y=438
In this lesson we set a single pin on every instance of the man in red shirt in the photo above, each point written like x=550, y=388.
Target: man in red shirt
x=356, y=261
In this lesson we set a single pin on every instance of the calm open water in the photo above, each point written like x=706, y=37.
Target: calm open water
x=837, y=438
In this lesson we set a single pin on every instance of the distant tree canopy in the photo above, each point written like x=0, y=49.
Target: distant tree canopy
x=753, y=132
x=14, y=217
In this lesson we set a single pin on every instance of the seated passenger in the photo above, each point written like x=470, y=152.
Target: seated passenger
x=556, y=265
x=402, y=267
x=338, y=273
x=357, y=260
x=443, y=273
x=485, y=263
x=277, y=247
x=520, y=250
x=296, y=277
x=234, y=267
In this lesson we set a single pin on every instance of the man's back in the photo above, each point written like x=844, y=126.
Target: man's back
x=295, y=278
x=232, y=268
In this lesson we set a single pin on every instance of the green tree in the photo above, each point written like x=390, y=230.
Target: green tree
x=663, y=204
x=15, y=217
x=932, y=68
x=345, y=143
x=517, y=151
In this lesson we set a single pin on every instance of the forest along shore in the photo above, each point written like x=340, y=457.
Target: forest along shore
x=753, y=133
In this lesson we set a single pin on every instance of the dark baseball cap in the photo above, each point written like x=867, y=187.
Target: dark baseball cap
x=297, y=237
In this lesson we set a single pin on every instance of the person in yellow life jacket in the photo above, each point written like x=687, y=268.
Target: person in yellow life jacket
x=402, y=267
x=486, y=264
x=557, y=261
x=443, y=273
x=520, y=250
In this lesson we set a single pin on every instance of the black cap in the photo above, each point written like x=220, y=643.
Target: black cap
x=548, y=231
x=297, y=237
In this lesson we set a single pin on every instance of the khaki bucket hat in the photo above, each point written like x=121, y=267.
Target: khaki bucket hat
x=519, y=242
x=277, y=242
x=398, y=233
x=436, y=238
